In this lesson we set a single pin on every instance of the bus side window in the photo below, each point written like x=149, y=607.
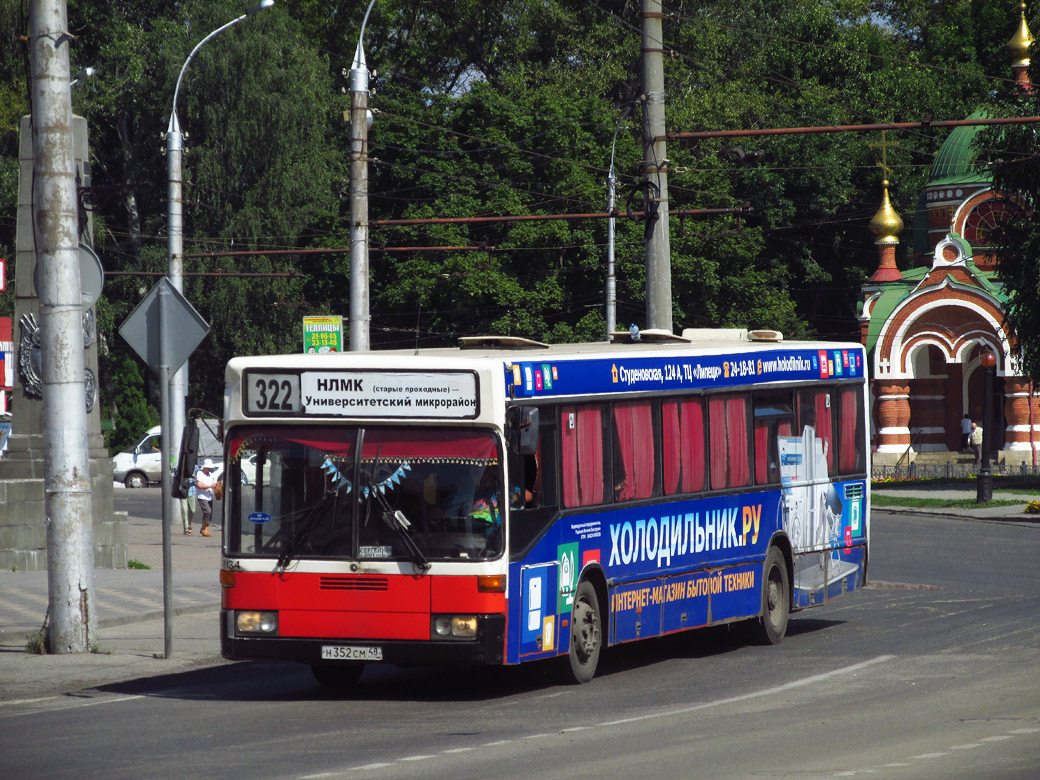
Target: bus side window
x=635, y=458
x=852, y=443
x=774, y=416
x=682, y=444
x=532, y=478
x=816, y=408
x=730, y=464
x=582, y=455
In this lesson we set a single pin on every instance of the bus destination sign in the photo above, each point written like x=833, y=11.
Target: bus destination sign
x=440, y=394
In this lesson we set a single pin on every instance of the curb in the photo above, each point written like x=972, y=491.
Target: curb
x=17, y=634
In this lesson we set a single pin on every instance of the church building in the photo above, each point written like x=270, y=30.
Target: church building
x=928, y=330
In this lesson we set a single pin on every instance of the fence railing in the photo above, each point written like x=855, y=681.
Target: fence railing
x=951, y=470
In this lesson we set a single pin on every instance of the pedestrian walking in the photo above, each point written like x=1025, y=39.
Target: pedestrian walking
x=975, y=437
x=205, y=482
x=965, y=434
x=188, y=507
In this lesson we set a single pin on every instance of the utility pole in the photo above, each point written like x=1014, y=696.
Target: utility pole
x=359, y=119
x=655, y=168
x=70, y=543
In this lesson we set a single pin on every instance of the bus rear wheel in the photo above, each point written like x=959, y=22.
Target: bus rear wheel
x=586, y=636
x=776, y=599
x=337, y=676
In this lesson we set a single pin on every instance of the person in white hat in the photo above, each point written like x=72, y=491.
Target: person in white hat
x=204, y=484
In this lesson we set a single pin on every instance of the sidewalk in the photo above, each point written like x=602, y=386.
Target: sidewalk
x=131, y=626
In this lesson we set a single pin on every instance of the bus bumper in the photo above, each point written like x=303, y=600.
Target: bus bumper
x=487, y=648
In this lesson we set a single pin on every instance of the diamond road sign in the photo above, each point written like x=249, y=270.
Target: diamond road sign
x=185, y=328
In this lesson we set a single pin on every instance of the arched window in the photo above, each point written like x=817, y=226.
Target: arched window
x=980, y=222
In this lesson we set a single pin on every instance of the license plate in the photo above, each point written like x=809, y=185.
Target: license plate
x=350, y=653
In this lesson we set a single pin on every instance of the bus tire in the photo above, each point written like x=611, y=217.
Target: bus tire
x=338, y=676
x=776, y=599
x=586, y=636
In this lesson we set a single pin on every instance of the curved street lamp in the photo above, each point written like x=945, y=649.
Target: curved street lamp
x=174, y=207
x=359, y=121
x=173, y=393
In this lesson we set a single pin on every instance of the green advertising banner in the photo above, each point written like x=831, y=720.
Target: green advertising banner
x=323, y=334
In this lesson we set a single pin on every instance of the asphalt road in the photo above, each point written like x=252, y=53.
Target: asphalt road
x=931, y=673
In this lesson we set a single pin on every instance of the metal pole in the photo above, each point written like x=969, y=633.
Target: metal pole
x=169, y=504
x=655, y=168
x=359, y=118
x=70, y=542
x=174, y=388
x=611, y=280
x=984, y=482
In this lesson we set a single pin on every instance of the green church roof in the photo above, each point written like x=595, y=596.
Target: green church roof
x=956, y=161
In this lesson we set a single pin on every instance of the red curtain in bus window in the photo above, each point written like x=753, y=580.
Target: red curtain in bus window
x=569, y=456
x=739, y=472
x=717, y=441
x=635, y=424
x=848, y=411
x=692, y=445
x=590, y=455
x=582, y=453
x=670, y=446
x=761, y=451
x=825, y=426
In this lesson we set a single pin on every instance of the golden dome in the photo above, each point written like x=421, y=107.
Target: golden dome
x=886, y=223
x=1018, y=46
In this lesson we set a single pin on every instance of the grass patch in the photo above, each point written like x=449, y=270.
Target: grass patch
x=36, y=643
x=876, y=499
x=132, y=564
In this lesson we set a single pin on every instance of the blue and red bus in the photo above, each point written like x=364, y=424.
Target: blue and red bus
x=509, y=501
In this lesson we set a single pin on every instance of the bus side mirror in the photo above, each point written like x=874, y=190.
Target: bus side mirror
x=189, y=456
x=523, y=430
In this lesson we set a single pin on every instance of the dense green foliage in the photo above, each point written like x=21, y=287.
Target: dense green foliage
x=491, y=108
x=1014, y=152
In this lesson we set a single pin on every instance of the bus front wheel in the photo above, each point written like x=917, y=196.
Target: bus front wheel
x=776, y=599
x=586, y=636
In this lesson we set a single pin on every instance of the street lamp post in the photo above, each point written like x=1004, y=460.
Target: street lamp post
x=359, y=121
x=984, y=481
x=174, y=387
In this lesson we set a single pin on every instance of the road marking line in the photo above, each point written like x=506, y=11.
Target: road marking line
x=930, y=755
x=26, y=701
x=805, y=681
x=969, y=746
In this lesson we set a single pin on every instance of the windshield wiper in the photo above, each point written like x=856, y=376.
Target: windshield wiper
x=396, y=519
x=306, y=524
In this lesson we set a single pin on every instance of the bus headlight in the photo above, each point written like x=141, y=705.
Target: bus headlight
x=453, y=627
x=256, y=622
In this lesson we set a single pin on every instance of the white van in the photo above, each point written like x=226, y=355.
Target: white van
x=141, y=465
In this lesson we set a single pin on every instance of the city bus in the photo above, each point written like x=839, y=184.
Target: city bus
x=509, y=501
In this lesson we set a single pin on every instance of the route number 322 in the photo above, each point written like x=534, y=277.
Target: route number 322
x=273, y=393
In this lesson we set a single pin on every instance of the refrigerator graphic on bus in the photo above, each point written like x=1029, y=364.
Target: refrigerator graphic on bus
x=818, y=522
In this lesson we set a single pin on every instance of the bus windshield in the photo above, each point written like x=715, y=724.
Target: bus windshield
x=415, y=494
